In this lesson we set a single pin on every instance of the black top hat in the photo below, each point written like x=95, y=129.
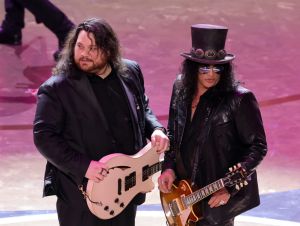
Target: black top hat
x=208, y=42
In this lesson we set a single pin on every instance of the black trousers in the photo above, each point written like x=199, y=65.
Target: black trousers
x=43, y=10
x=225, y=223
x=72, y=216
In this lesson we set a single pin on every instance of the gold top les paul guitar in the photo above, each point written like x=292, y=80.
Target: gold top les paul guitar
x=126, y=177
x=178, y=204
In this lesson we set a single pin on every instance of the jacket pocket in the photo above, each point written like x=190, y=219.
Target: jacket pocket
x=50, y=180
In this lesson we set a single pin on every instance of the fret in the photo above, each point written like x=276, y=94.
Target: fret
x=220, y=183
x=150, y=170
x=215, y=186
x=203, y=193
x=197, y=196
x=155, y=168
x=206, y=191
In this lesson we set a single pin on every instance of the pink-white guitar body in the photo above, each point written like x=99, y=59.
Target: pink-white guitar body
x=127, y=176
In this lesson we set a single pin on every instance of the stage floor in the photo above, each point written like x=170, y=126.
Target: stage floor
x=263, y=34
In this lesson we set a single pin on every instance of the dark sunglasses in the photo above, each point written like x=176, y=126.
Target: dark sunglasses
x=214, y=68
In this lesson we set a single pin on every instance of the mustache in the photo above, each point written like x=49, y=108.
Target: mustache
x=85, y=59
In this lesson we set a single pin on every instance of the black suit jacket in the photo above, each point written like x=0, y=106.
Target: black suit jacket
x=69, y=127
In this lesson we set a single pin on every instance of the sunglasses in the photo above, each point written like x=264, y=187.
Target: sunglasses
x=214, y=68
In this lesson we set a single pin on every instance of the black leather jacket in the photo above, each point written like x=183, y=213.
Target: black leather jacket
x=69, y=125
x=232, y=133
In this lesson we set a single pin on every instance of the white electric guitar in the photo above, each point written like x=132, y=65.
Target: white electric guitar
x=127, y=176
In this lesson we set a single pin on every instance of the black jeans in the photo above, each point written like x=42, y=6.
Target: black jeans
x=225, y=223
x=73, y=216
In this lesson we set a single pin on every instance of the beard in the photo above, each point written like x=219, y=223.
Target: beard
x=89, y=65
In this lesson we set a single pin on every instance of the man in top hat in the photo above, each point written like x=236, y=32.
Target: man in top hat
x=214, y=124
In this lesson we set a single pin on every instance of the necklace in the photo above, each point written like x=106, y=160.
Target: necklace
x=195, y=102
x=194, y=106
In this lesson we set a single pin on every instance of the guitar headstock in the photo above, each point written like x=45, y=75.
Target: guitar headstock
x=236, y=176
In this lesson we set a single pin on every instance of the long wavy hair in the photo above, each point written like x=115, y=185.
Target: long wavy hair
x=105, y=39
x=189, y=70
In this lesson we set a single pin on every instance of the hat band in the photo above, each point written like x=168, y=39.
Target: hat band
x=209, y=54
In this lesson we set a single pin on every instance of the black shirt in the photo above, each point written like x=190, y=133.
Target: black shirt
x=114, y=103
x=190, y=139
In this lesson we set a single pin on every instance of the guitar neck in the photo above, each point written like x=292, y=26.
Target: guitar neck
x=204, y=192
x=147, y=171
x=150, y=170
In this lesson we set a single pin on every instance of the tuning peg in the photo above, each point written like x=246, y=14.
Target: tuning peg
x=245, y=183
x=237, y=187
x=230, y=169
x=241, y=185
x=234, y=167
x=239, y=165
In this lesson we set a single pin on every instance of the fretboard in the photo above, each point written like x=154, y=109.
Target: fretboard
x=150, y=170
x=204, y=192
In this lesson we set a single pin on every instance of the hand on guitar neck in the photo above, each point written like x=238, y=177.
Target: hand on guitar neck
x=167, y=178
x=179, y=202
x=219, y=198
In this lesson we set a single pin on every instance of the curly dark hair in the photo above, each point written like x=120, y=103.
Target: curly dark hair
x=105, y=38
x=189, y=70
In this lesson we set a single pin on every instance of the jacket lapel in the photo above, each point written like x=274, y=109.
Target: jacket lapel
x=84, y=89
x=182, y=111
x=179, y=124
x=133, y=105
x=130, y=98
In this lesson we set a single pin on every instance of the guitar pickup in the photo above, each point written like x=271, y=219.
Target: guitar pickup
x=119, y=186
x=174, y=208
x=130, y=181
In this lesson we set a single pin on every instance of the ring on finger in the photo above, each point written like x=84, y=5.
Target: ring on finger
x=222, y=202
